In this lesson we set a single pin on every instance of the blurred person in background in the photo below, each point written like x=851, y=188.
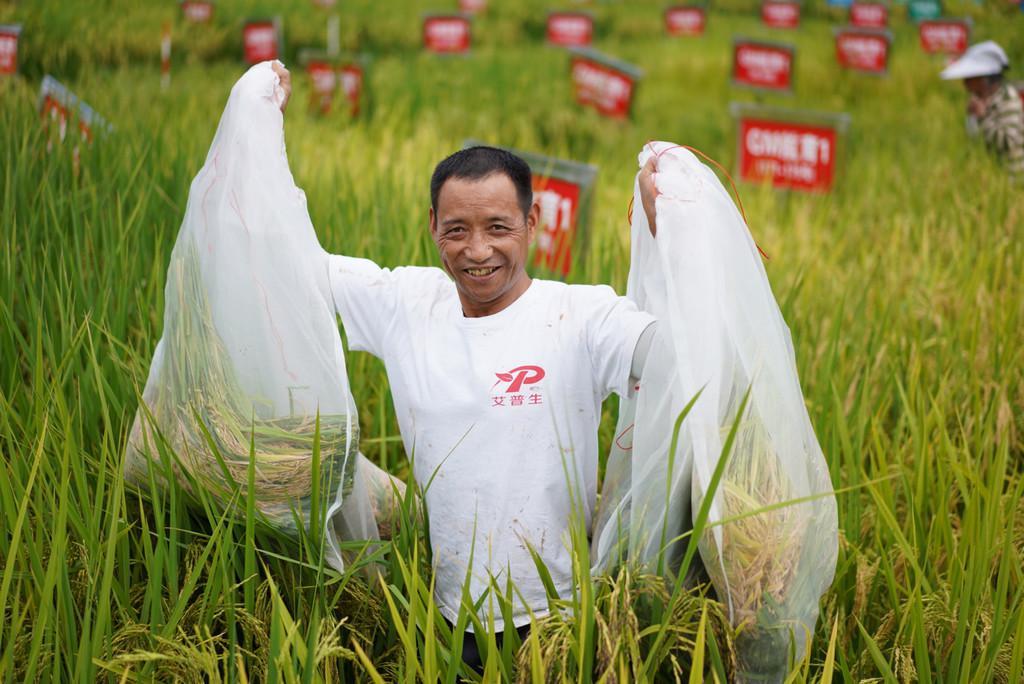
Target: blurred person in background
x=994, y=109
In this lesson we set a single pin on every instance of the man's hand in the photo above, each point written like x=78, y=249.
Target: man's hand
x=977, y=106
x=648, y=191
x=286, y=81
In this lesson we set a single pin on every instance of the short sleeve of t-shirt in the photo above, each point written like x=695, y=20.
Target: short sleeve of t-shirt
x=613, y=326
x=370, y=299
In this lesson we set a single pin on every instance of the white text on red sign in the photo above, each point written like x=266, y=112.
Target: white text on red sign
x=792, y=155
x=869, y=15
x=684, y=21
x=945, y=37
x=8, y=53
x=559, y=203
x=352, y=86
x=788, y=146
x=763, y=66
x=780, y=14
x=609, y=91
x=260, y=42
x=197, y=12
x=863, y=51
x=574, y=30
x=446, y=34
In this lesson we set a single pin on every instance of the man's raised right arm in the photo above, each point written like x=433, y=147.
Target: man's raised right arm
x=366, y=297
x=361, y=292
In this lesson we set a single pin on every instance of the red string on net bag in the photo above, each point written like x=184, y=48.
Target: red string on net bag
x=694, y=150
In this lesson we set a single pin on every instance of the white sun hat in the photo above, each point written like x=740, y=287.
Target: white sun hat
x=983, y=59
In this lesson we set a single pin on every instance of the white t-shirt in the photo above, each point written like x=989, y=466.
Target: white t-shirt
x=494, y=412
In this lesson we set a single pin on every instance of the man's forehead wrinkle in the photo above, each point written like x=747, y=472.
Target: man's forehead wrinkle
x=496, y=218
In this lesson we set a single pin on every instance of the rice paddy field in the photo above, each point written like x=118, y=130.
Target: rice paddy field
x=902, y=287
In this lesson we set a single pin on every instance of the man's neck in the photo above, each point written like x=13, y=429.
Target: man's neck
x=476, y=309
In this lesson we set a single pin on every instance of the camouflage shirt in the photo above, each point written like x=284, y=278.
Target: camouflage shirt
x=1002, y=128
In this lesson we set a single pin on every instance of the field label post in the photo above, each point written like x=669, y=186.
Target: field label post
x=919, y=10
x=791, y=149
x=323, y=79
x=60, y=106
x=472, y=6
x=447, y=34
x=261, y=40
x=762, y=65
x=570, y=29
x=869, y=15
x=604, y=83
x=9, y=34
x=352, y=75
x=945, y=36
x=197, y=11
x=780, y=14
x=686, y=20
x=863, y=49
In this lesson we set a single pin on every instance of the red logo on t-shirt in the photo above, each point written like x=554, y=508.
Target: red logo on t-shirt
x=517, y=377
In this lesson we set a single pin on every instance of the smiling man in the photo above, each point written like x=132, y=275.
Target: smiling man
x=497, y=380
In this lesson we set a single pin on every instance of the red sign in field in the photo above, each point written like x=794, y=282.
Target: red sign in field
x=865, y=50
x=869, y=15
x=685, y=20
x=783, y=14
x=58, y=105
x=570, y=29
x=472, y=6
x=603, y=83
x=260, y=40
x=766, y=66
x=197, y=11
x=559, y=202
x=52, y=111
x=352, y=79
x=789, y=155
x=9, y=48
x=944, y=36
x=446, y=33
x=325, y=82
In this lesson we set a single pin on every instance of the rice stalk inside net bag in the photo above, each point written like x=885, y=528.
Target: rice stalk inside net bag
x=250, y=361
x=722, y=355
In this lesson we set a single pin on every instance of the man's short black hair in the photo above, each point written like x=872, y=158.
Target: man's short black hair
x=480, y=161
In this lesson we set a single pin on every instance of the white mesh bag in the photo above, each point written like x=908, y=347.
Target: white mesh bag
x=720, y=340
x=251, y=357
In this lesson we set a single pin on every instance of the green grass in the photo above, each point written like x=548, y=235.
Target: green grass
x=902, y=289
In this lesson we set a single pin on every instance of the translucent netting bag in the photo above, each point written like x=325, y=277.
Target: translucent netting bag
x=720, y=334
x=250, y=354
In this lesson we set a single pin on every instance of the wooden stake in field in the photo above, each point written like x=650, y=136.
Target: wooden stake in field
x=165, y=56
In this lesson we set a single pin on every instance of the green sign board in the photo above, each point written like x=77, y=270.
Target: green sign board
x=920, y=10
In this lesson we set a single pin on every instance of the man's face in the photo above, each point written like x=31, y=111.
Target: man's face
x=977, y=86
x=483, y=239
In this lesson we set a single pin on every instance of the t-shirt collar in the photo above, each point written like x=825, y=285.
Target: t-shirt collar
x=508, y=311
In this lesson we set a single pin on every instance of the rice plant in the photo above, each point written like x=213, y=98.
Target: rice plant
x=902, y=290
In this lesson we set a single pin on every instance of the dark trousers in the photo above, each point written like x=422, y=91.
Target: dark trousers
x=471, y=653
